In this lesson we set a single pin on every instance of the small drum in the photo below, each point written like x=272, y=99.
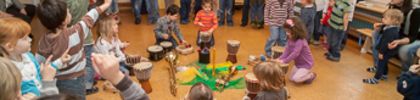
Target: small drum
x=143, y=71
x=277, y=51
x=155, y=52
x=167, y=46
x=233, y=46
x=205, y=36
x=132, y=59
x=184, y=49
x=284, y=68
x=252, y=84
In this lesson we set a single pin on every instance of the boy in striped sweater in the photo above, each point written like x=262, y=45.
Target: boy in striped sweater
x=55, y=16
x=338, y=25
x=275, y=14
x=207, y=20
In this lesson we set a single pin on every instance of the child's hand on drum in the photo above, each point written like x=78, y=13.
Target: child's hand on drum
x=108, y=67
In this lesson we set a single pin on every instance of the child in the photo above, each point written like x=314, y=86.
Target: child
x=307, y=14
x=271, y=80
x=338, y=26
x=297, y=49
x=206, y=19
x=199, y=91
x=275, y=14
x=324, y=21
x=389, y=32
x=257, y=13
x=55, y=16
x=166, y=26
x=152, y=10
x=408, y=83
x=36, y=78
x=108, y=42
x=245, y=13
x=225, y=7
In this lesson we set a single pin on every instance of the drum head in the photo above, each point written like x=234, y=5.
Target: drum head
x=277, y=49
x=251, y=78
x=233, y=42
x=166, y=44
x=154, y=48
x=143, y=65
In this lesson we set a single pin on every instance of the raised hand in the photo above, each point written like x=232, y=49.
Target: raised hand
x=47, y=71
x=108, y=67
x=65, y=58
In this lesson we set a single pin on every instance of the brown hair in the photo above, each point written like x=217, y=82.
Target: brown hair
x=200, y=91
x=105, y=26
x=10, y=79
x=298, y=30
x=12, y=29
x=270, y=76
x=396, y=16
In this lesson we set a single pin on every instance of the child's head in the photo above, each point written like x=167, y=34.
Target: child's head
x=269, y=75
x=14, y=35
x=54, y=14
x=207, y=5
x=200, y=91
x=173, y=12
x=10, y=79
x=331, y=2
x=107, y=26
x=295, y=29
x=393, y=17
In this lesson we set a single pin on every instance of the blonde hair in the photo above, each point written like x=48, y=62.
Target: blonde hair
x=11, y=30
x=270, y=76
x=10, y=79
x=105, y=26
x=395, y=15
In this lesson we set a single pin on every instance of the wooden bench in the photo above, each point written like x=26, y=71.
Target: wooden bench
x=367, y=34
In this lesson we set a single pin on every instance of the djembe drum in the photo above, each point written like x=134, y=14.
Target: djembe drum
x=143, y=71
x=167, y=46
x=277, y=51
x=252, y=85
x=155, y=52
x=284, y=68
x=205, y=38
x=232, y=48
x=130, y=61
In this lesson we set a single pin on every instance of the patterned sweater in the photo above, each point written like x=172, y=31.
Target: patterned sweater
x=208, y=19
x=275, y=14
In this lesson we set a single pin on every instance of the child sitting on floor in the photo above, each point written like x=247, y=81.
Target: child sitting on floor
x=206, y=19
x=199, y=91
x=388, y=33
x=408, y=83
x=297, y=49
x=167, y=25
x=271, y=80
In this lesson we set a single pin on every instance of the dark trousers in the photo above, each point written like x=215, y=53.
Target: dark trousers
x=382, y=68
x=185, y=10
x=334, y=36
x=75, y=87
x=197, y=6
x=30, y=12
x=317, y=25
x=245, y=12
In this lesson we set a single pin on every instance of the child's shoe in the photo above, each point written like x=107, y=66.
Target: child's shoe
x=371, y=81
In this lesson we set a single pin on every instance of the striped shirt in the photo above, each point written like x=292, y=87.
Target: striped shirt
x=72, y=38
x=276, y=14
x=337, y=17
x=209, y=20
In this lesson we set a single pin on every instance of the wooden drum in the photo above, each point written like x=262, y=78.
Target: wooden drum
x=155, y=52
x=252, y=83
x=167, y=46
x=143, y=71
x=284, y=68
x=205, y=36
x=277, y=51
x=233, y=46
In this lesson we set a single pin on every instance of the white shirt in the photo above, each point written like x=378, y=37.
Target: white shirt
x=104, y=47
x=28, y=70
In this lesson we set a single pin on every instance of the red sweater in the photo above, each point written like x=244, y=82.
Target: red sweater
x=209, y=20
x=327, y=16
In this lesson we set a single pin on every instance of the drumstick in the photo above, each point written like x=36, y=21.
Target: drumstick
x=214, y=61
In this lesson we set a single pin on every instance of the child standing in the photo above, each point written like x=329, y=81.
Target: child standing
x=200, y=91
x=271, y=80
x=152, y=9
x=324, y=23
x=166, y=26
x=185, y=11
x=206, y=19
x=275, y=14
x=37, y=79
x=257, y=13
x=55, y=16
x=307, y=14
x=297, y=49
x=388, y=32
x=108, y=42
x=225, y=8
x=338, y=25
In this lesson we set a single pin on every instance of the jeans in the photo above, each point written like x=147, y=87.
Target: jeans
x=225, y=7
x=90, y=72
x=151, y=6
x=407, y=53
x=335, y=35
x=317, y=25
x=245, y=12
x=277, y=36
x=74, y=87
x=307, y=16
x=257, y=13
x=375, y=53
x=185, y=10
x=382, y=68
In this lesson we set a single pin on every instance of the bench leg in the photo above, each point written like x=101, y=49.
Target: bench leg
x=367, y=45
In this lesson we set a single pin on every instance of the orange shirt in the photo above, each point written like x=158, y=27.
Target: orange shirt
x=209, y=20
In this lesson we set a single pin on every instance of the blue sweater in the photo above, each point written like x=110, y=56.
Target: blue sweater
x=409, y=86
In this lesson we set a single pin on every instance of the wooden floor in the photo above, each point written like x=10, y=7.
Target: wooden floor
x=335, y=81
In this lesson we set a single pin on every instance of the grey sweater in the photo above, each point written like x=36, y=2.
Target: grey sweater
x=272, y=95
